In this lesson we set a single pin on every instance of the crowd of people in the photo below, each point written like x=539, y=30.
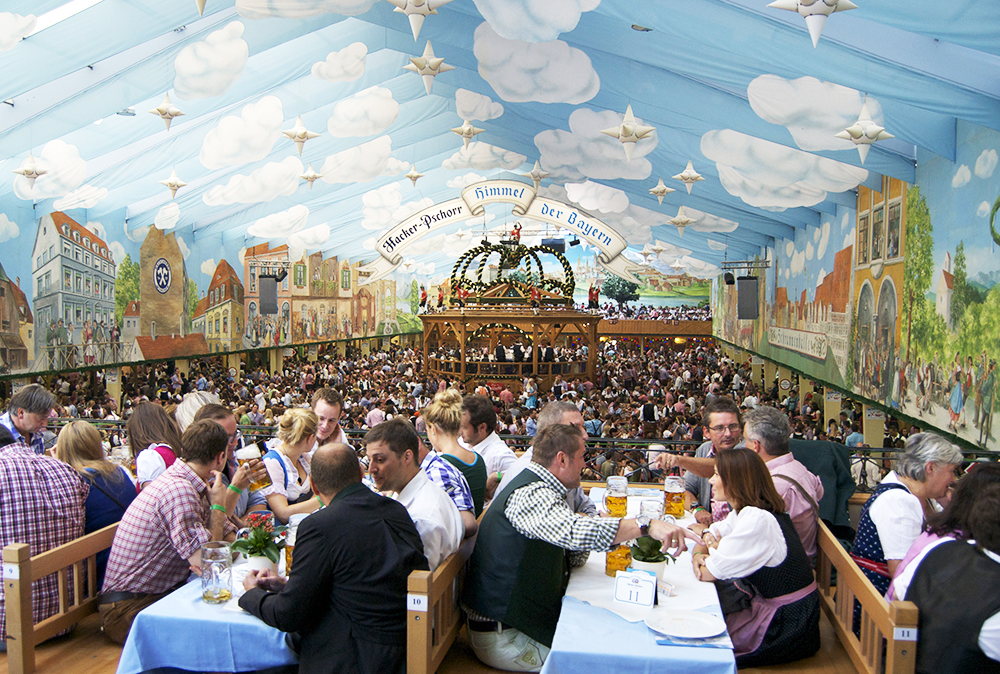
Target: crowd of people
x=645, y=312
x=335, y=434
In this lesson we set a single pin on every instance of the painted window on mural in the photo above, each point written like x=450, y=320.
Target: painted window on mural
x=877, y=234
x=300, y=275
x=863, y=240
x=345, y=279
x=892, y=231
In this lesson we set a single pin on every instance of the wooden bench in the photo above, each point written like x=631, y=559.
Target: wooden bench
x=20, y=569
x=888, y=642
x=434, y=616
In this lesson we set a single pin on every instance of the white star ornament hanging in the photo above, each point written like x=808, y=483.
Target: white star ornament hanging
x=864, y=132
x=814, y=12
x=173, y=183
x=661, y=191
x=413, y=175
x=416, y=11
x=681, y=220
x=689, y=176
x=30, y=169
x=428, y=66
x=166, y=111
x=537, y=175
x=467, y=131
x=300, y=134
x=629, y=132
x=311, y=176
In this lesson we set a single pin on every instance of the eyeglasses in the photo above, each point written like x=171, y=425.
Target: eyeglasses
x=732, y=428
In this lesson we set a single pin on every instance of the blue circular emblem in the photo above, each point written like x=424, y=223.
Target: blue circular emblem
x=161, y=275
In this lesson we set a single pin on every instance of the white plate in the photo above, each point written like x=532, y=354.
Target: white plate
x=685, y=624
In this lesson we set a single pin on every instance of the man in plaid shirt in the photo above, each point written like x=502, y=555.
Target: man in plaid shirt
x=42, y=504
x=160, y=537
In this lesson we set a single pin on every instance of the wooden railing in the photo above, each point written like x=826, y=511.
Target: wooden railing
x=888, y=641
x=434, y=616
x=76, y=600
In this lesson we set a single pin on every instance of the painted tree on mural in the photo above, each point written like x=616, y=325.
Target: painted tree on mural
x=964, y=295
x=925, y=333
x=620, y=290
x=126, y=286
x=192, y=297
x=414, y=297
x=980, y=328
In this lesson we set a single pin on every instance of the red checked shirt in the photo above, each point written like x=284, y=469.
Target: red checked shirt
x=42, y=503
x=166, y=524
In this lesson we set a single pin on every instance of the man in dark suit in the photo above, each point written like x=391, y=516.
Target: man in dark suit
x=518, y=353
x=345, y=598
x=550, y=354
x=501, y=353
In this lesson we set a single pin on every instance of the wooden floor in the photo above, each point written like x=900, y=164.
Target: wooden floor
x=86, y=651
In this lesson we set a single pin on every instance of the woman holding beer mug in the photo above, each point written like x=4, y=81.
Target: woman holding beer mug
x=288, y=465
x=765, y=580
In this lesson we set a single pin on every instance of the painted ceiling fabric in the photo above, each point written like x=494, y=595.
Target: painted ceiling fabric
x=732, y=86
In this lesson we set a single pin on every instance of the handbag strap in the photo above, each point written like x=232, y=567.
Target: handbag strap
x=94, y=483
x=812, y=501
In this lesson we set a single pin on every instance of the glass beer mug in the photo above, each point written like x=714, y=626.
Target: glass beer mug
x=248, y=453
x=616, y=496
x=293, y=527
x=216, y=572
x=673, y=496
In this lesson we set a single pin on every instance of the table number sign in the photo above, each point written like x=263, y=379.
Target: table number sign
x=637, y=589
x=416, y=602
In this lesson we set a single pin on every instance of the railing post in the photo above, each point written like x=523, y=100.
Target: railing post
x=901, y=655
x=17, y=598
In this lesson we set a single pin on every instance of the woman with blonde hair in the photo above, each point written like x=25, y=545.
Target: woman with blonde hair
x=443, y=417
x=287, y=464
x=111, y=488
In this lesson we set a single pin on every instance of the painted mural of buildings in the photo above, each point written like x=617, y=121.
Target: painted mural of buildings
x=73, y=278
x=163, y=287
x=13, y=351
x=224, y=310
x=130, y=322
x=262, y=330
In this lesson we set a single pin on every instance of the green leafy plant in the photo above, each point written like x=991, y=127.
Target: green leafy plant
x=263, y=540
x=647, y=549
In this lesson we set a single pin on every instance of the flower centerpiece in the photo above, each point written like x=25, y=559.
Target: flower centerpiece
x=260, y=541
x=647, y=555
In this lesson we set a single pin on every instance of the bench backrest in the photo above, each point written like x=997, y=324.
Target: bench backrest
x=77, y=592
x=434, y=617
x=895, y=623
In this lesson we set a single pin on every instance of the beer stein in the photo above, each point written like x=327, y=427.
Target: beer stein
x=616, y=496
x=673, y=496
x=248, y=453
x=651, y=508
x=293, y=527
x=216, y=572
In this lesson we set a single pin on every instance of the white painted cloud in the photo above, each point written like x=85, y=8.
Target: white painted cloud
x=697, y=268
x=185, y=251
x=86, y=196
x=167, y=216
x=384, y=206
x=597, y=197
x=208, y=68
x=98, y=229
x=8, y=228
x=345, y=65
x=280, y=225
x=635, y=223
x=452, y=245
x=366, y=113
x=846, y=219
x=241, y=256
x=820, y=276
x=462, y=181
x=962, y=177
x=360, y=164
x=270, y=181
x=472, y=106
x=548, y=72
x=986, y=163
x=824, y=240
x=849, y=239
x=534, y=20
x=786, y=273
x=249, y=137
x=810, y=250
x=812, y=110
x=584, y=152
x=483, y=157
x=13, y=27
x=708, y=223
x=789, y=247
x=393, y=167
x=798, y=262
x=300, y=9
x=983, y=210
x=65, y=172
x=117, y=251
x=311, y=238
x=773, y=176
x=717, y=245
x=208, y=266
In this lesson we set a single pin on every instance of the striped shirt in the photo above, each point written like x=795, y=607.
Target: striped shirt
x=448, y=478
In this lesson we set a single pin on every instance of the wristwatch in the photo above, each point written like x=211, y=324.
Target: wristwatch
x=643, y=522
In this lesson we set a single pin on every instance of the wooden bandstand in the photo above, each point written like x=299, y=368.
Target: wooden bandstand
x=520, y=307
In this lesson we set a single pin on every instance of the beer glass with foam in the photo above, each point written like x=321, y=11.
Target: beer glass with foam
x=248, y=453
x=673, y=496
x=616, y=496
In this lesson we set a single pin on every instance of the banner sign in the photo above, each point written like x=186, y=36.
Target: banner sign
x=809, y=343
x=473, y=203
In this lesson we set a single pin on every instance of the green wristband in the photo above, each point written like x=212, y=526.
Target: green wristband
x=694, y=554
x=321, y=504
x=699, y=509
x=236, y=489
x=222, y=509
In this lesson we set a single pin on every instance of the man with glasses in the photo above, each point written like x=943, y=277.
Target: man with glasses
x=721, y=420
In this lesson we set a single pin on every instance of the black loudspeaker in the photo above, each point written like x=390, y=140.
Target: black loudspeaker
x=729, y=278
x=746, y=298
x=558, y=245
x=268, y=295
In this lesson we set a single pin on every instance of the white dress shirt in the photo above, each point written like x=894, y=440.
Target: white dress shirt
x=495, y=452
x=436, y=517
